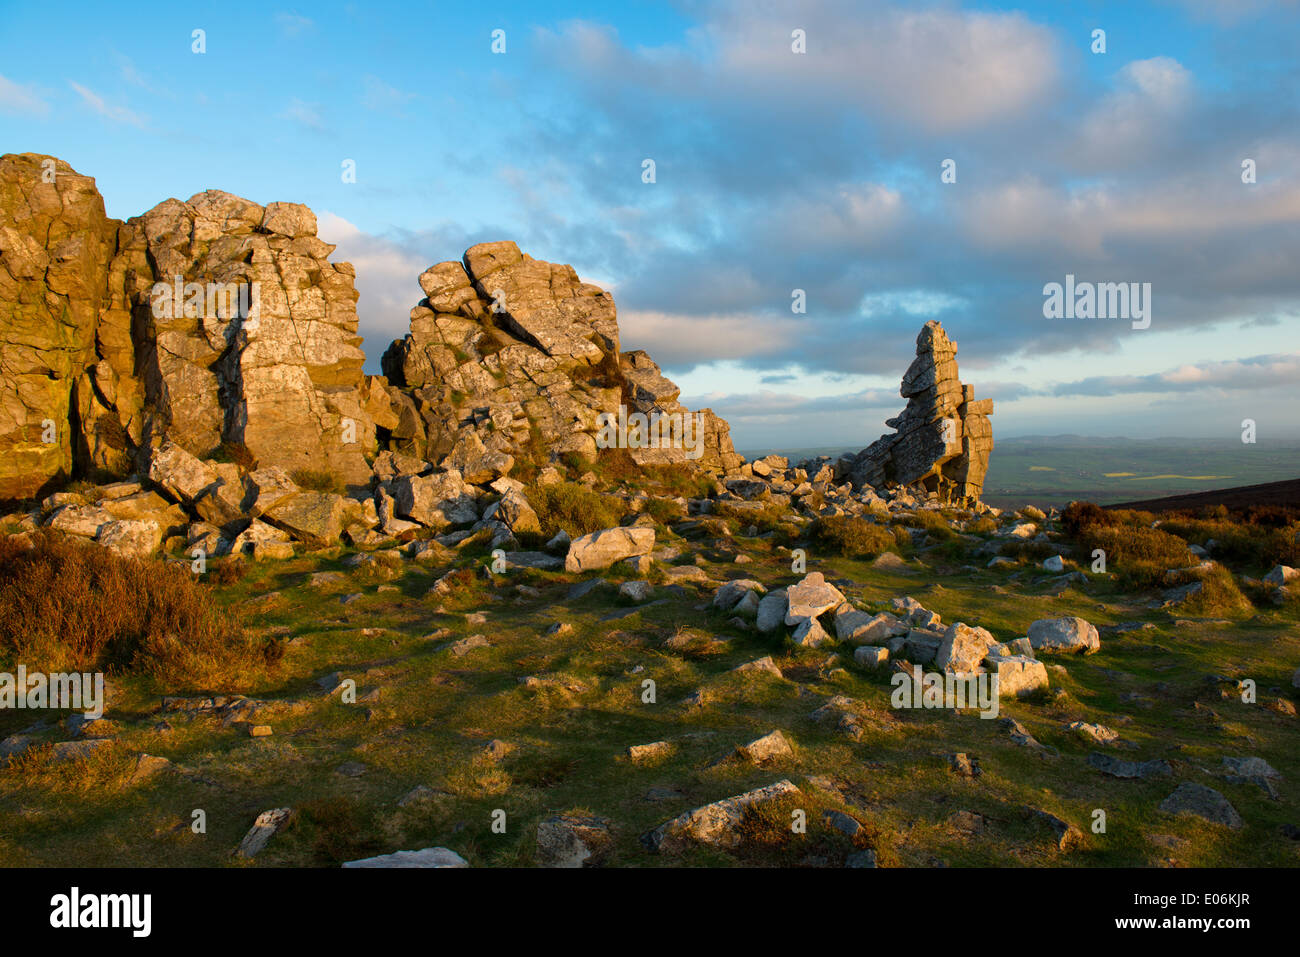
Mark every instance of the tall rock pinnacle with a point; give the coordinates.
(943, 438)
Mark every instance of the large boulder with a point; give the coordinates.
(810, 597)
(436, 500)
(1065, 634)
(179, 473)
(602, 549)
(131, 539)
(1018, 675)
(315, 518)
(963, 648)
(716, 824)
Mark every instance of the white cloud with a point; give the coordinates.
(293, 24)
(110, 111)
(938, 69)
(305, 114)
(16, 98)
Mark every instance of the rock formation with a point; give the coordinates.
(506, 351)
(55, 245)
(221, 326)
(207, 354)
(942, 439)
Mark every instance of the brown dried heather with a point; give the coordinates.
(75, 606)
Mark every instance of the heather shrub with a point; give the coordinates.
(75, 606)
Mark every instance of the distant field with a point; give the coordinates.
(1053, 470)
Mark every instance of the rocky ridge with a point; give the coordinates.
(201, 364)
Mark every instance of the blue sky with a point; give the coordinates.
(775, 171)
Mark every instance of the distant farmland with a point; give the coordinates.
(1054, 470)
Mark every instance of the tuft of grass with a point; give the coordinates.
(572, 507)
(336, 829)
(319, 480)
(853, 537)
(236, 453)
(935, 523)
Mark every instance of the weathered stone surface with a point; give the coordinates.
(963, 648)
(770, 616)
(771, 747)
(943, 437)
(1064, 634)
(315, 518)
(602, 549)
(505, 347)
(1282, 575)
(860, 628)
(730, 593)
(811, 597)
(428, 857)
(263, 829)
(513, 510)
(55, 246)
(131, 539)
(219, 323)
(436, 500)
(715, 824)
(1018, 675)
(1202, 802)
(572, 840)
(1114, 767)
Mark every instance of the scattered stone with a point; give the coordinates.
(1203, 802)
(871, 656)
(428, 857)
(602, 549)
(466, 645)
(650, 753)
(264, 828)
(637, 591)
(1096, 733)
(964, 765)
(766, 750)
(810, 598)
(1119, 768)
(715, 824)
(963, 648)
(1068, 837)
(572, 840)
(1064, 634)
(770, 616)
(765, 664)
(850, 827)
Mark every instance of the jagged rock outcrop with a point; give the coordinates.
(209, 349)
(55, 245)
(246, 333)
(210, 321)
(942, 439)
(507, 352)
